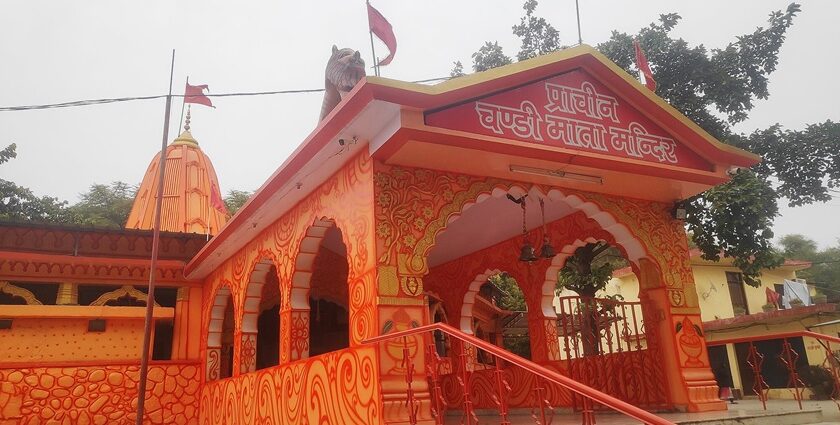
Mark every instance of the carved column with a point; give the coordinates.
(68, 294)
(401, 306)
(673, 315)
(295, 321)
(247, 352)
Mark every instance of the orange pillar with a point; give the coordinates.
(187, 323)
(401, 306)
(672, 318)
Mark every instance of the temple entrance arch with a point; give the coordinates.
(318, 311)
(220, 340)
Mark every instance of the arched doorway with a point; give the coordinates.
(268, 322)
(318, 313)
(329, 318)
(220, 341)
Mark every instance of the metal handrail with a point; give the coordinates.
(542, 372)
(788, 358)
(775, 336)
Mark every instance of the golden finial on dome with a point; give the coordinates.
(187, 123)
(186, 138)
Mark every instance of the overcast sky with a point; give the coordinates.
(53, 51)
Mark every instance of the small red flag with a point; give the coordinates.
(195, 94)
(382, 28)
(644, 67)
(216, 200)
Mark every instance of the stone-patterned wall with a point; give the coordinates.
(98, 394)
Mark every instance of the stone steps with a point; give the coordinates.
(732, 417)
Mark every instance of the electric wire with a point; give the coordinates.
(104, 101)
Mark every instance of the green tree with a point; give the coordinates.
(537, 35)
(20, 204)
(716, 89)
(512, 297)
(235, 199)
(489, 56)
(105, 205)
(824, 272)
(798, 247)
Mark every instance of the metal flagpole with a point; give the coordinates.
(577, 12)
(150, 301)
(372, 50)
(184, 102)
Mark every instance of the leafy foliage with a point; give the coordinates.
(718, 88)
(590, 269)
(105, 205)
(489, 56)
(537, 35)
(512, 297)
(20, 204)
(825, 264)
(235, 199)
(457, 69)
(736, 218)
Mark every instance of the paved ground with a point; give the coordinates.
(830, 410)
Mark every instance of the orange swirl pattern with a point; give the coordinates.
(98, 394)
(341, 387)
(345, 199)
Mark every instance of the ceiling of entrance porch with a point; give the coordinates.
(492, 220)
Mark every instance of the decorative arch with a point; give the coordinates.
(16, 291)
(221, 300)
(466, 320)
(299, 311)
(302, 276)
(123, 291)
(251, 308)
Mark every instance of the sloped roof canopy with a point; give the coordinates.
(572, 113)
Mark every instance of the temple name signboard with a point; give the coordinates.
(571, 111)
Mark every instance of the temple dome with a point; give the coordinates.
(189, 186)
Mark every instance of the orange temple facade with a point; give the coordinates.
(313, 303)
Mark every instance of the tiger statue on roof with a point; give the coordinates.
(344, 69)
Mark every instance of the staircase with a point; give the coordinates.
(547, 384)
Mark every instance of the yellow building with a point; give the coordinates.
(731, 309)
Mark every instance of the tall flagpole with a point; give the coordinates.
(150, 301)
(372, 50)
(577, 12)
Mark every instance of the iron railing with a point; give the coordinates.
(788, 358)
(543, 380)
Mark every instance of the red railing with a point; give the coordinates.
(608, 345)
(543, 378)
(788, 358)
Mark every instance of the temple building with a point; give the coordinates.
(189, 189)
(352, 287)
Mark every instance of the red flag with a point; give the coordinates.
(216, 200)
(382, 28)
(644, 66)
(195, 94)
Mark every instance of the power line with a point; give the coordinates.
(104, 101)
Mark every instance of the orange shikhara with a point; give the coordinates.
(188, 187)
